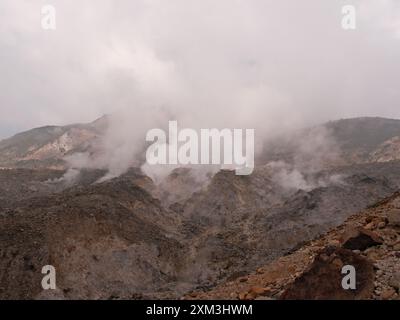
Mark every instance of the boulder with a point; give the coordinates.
(388, 293)
(360, 239)
(395, 281)
(394, 217)
(323, 278)
(396, 203)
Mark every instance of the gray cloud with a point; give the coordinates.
(263, 64)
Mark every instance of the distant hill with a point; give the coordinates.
(341, 142)
(366, 134)
(47, 146)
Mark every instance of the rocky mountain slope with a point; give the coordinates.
(46, 147)
(104, 240)
(368, 240)
(131, 238)
(115, 240)
(341, 142)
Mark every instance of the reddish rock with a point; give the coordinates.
(396, 203)
(258, 291)
(323, 279)
(368, 219)
(395, 281)
(394, 217)
(334, 243)
(242, 295)
(360, 239)
(388, 293)
(250, 296)
(370, 226)
(381, 224)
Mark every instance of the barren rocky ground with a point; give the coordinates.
(116, 240)
(277, 233)
(369, 240)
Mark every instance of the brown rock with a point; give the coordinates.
(381, 225)
(395, 281)
(323, 278)
(264, 298)
(242, 296)
(387, 293)
(334, 243)
(258, 291)
(396, 203)
(260, 270)
(394, 217)
(369, 219)
(360, 239)
(250, 296)
(370, 226)
(337, 262)
(324, 257)
(373, 255)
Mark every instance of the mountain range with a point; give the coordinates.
(130, 237)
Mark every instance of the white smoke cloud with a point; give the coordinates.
(291, 178)
(269, 65)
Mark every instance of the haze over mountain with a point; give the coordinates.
(48, 146)
(358, 140)
(259, 64)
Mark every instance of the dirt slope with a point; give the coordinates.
(314, 270)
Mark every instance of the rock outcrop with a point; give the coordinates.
(314, 270)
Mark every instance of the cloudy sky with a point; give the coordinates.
(258, 63)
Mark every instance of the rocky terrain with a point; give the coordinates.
(46, 147)
(368, 240)
(130, 238)
(342, 142)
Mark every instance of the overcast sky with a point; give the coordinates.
(219, 62)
